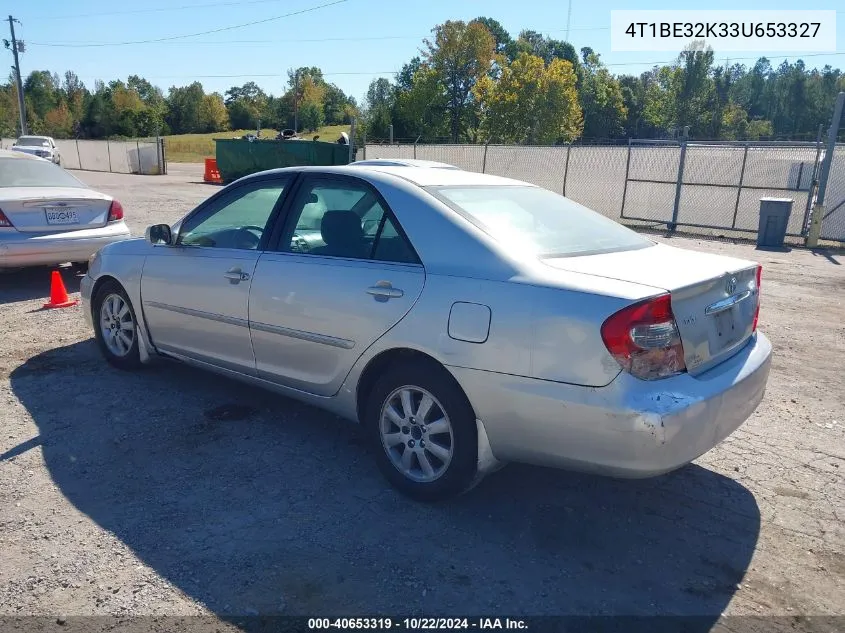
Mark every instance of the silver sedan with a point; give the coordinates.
(48, 217)
(464, 320)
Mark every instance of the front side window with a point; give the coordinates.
(347, 219)
(538, 221)
(237, 221)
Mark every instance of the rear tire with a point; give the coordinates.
(115, 326)
(421, 429)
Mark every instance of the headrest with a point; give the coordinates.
(341, 227)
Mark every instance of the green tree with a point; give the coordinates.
(183, 108)
(460, 54)
(601, 100)
(213, 116)
(311, 116)
(379, 108)
(531, 102)
(421, 110)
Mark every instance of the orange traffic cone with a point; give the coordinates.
(58, 294)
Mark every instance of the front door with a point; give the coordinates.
(195, 294)
(343, 275)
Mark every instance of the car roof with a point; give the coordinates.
(402, 162)
(420, 176)
(7, 153)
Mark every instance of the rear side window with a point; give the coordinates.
(538, 221)
(28, 172)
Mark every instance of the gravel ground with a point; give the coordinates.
(171, 492)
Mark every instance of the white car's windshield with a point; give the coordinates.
(33, 141)
(24, 172)
(538, 220)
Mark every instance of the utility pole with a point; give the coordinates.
(15, 46)
(568, 19)
(296, 102)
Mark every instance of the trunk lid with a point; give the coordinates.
(714, 298)
(54, 209)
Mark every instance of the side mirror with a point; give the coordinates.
(159, 234)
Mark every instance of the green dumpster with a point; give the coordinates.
(240, 157)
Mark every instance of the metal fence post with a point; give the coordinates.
(352, 140)
(164, 156)
(364, 143)
(625, 186)
(818, 207)
(676, 207)
(108, 149)
(484, 158)
(739, 189)
(391, 134)
(78, 157)
(814, 181)
(415, 147)
(566, 167)
(138, 149)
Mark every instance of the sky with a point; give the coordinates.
(352, 41)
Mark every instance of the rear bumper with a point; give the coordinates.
(18, 250)
(631, 428)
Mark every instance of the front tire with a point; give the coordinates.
(422, 431)
(115, 326)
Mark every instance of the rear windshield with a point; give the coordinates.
(27, 172)
(33, 141)
(538, 220)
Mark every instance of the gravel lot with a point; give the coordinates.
(174, 492)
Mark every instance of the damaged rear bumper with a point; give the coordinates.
(630, 428)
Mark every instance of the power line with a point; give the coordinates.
(180, 37)
(153, 10)
(169, 40)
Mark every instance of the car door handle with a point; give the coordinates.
(236, 275)
(384, 290)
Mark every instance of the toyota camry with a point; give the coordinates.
(464, 320)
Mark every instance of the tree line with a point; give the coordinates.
(472, 82)
(63, 107)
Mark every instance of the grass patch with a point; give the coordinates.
(195, 148)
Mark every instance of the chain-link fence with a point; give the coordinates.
(142, 156)
(712, 188)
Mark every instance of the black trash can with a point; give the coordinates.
(774, 218)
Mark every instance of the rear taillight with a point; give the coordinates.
(757, 289)
(115, 211)
(4, 221)
(644, 339)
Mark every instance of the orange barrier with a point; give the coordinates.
(212, 174)
(58, 293)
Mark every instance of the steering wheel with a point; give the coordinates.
(249, 237)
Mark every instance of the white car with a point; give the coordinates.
(41, 146)
(49, 217)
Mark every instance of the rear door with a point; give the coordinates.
(195, 294)
(316, 305)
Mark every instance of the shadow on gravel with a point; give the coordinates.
(34, 283)
(254, 504)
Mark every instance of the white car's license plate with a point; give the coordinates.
(61, 215)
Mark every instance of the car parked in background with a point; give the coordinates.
(40, 146)
(49, 217)
(465, 320)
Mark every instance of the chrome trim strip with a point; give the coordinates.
(724, 304)
(221, 318)
(304, 336)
